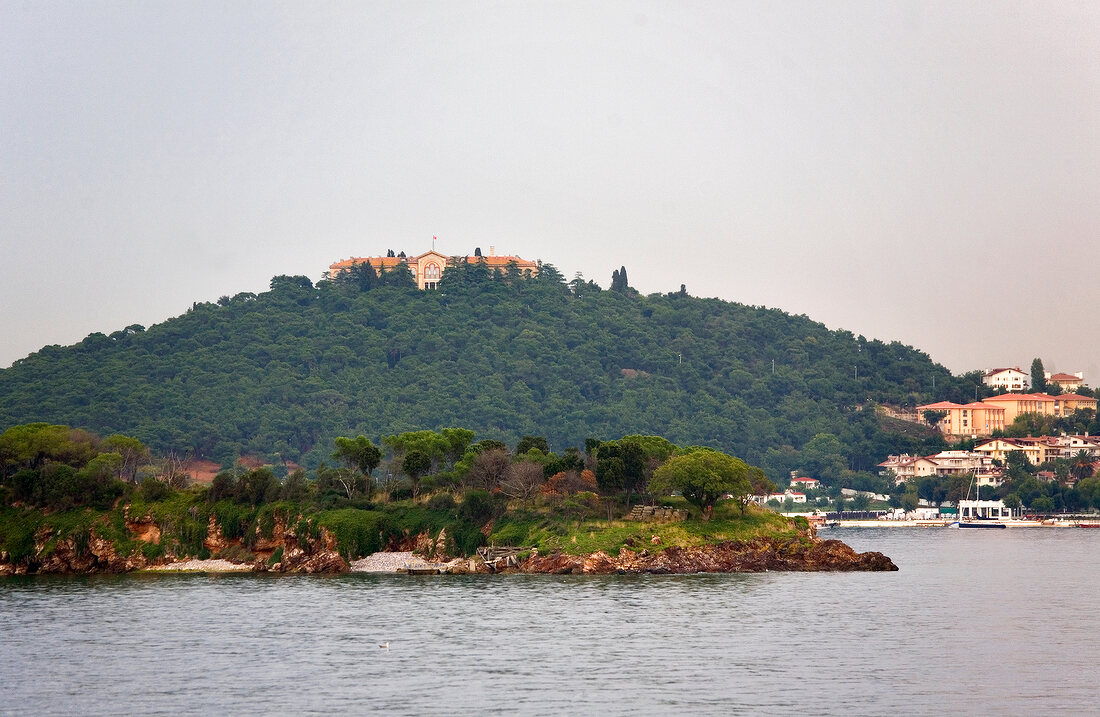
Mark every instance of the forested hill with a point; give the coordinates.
(284, 372)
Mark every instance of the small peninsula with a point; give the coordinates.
(72, 504)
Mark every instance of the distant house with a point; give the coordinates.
(999, 448)
(780, 497)
(805, 483)
(427, 268)
(906, 467)
(1066, 381)
(1010, 379)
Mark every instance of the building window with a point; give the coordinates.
(431, 272)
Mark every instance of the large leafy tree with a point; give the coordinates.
(702, 477)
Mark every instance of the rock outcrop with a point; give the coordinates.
(754, 556)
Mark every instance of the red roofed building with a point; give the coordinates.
(967, 419)
(1066, 381)
(427, 268)
(1010, 379)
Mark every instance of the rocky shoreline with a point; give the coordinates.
(754, 556)
(803, 552)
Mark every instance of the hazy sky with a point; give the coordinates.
(920, 171)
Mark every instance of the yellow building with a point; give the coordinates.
(1067, 403)
(427, 268)
(1015, 404)
(998, 448)
(967, 419)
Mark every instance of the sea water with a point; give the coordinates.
(975, 622)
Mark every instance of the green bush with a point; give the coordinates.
(357, 532)
(151, 490)
(234, 519)
(477, 506)
(152, 551)
(276, 557)
(466, 538)
(441, 502)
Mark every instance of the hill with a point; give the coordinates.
(281, 373)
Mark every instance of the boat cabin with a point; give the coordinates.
(983, 509)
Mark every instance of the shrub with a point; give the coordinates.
(441, 502)
(357, 532)
(276, 557)
(152, 490)
(466, 537)
(402, 491)
(152, 551)
(477, 506)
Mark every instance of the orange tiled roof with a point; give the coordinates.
(1021, 397)
(1064, 377)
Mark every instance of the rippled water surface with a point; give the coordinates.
(975, 621)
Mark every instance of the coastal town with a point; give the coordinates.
(987, 452)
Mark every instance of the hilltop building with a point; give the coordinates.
(427, 268)
(982, 418)
(1010, 379)
(1066, 381)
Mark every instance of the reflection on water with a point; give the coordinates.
(973, 621)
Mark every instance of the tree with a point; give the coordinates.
(1038, 375)
(934, 416)
(488, 468)
(618, 280)
(360, 454)
(522, 480)
(759, 484)
(1042, 504)
(702, 477)
(416, 464)
(609, 474)
(133, 452)
(174, 470)
(528, 442)
(1082, 465)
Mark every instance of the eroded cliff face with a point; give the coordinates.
(754, 556)
(300, 554)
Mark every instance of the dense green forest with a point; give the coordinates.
(282, 373)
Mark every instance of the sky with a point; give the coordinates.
(926, 172)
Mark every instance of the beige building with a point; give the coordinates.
(1043, 404)
(967, 419)
(998, 448)
(1066, 381)
(427, 268)
(944, 463)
